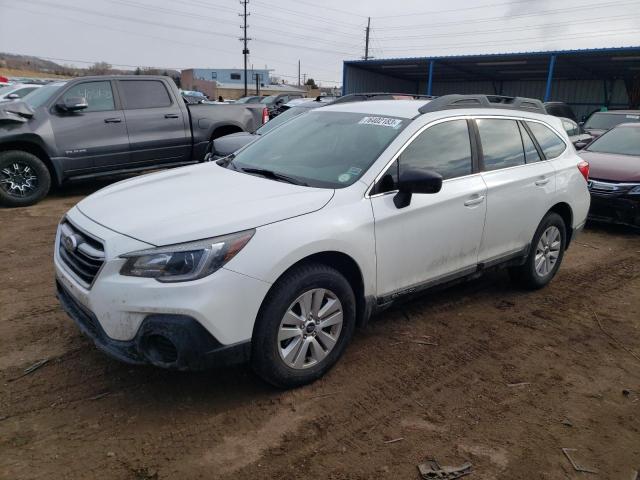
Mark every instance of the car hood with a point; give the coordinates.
(609, 166)
(228, 144)
(193, 203)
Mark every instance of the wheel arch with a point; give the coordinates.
(349, 268)
(566, 212)
(34, 149)
(222, 130)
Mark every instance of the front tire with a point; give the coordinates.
(304, 326)
(545, 254)
(24, 179)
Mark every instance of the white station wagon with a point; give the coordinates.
(277, 253)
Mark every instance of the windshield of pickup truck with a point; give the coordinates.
(322, 149)
(40, 96)
(605, 121)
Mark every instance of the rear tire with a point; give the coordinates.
(545, 254)
(304, 326)
(24, 179)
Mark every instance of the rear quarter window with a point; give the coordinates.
(551, 144)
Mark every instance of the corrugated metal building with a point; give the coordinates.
(587, 80)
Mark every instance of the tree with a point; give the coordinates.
(311, 83)
(100, 68)
(138, 71)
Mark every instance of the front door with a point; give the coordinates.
(158, 130)
(93, 136)
(437, 236)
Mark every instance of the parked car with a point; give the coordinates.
(250, 99)
(576, 134)
(275, 102)
(226, 145)
(94, 126)
(16, 91)
(600, 122)
(560, 109)
(275, 255)
(614, 181)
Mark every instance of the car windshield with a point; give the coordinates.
(323, 149)
(620, 140)
(40, 96)
(605, 121)
(247, 100)
(269, 100)
(280, 119)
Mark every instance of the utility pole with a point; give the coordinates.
(366, 42)
(245, 40)
(304, 78)
(298, 72)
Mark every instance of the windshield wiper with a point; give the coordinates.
(274, 175)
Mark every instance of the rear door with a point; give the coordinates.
(158, 130)
(520, 187)
(94, 136)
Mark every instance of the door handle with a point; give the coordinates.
(474, 201)
(171, 115)
(112, 120)
(542, 182)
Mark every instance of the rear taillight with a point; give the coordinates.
(265, 115)
(584, 169)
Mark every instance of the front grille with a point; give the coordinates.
(82, 254)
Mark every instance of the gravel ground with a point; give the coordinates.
(481, 372)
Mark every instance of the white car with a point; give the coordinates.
(16, 91)
(277, 253)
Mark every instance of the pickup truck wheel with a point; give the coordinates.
(24, 179)
(304, 326)
(545, 254)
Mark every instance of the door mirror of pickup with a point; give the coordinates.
(413, 180)
(72, 104)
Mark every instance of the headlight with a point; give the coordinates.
(634, 191)
(185, 261)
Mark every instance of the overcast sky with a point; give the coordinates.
(203, 33)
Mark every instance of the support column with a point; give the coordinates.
(552, 64)
(430, 80)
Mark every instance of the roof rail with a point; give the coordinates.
(483, 101)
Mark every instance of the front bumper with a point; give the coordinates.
(203, 320)
(169, 341)
(622, 210)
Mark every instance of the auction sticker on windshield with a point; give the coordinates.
(381, 122)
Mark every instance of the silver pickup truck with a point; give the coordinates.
(95, 126)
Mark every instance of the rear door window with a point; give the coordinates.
(501, 143)
(144, 94)
(98, 95)
(551, 144)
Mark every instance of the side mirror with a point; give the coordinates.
(72, 104)
(13, 96)
(413, 180)
(580, 145)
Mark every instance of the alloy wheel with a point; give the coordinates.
(548, 251)
(310, 328)
(18, 179)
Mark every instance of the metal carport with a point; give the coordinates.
(585, 79)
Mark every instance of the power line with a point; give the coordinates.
(324, 7)
(504, 18)
(527, 39)
(451, 10)
(517, 29)
(164, 39)
(298, 13)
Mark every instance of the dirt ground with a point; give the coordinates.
(503, 378)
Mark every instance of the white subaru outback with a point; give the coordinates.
(277, 253)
